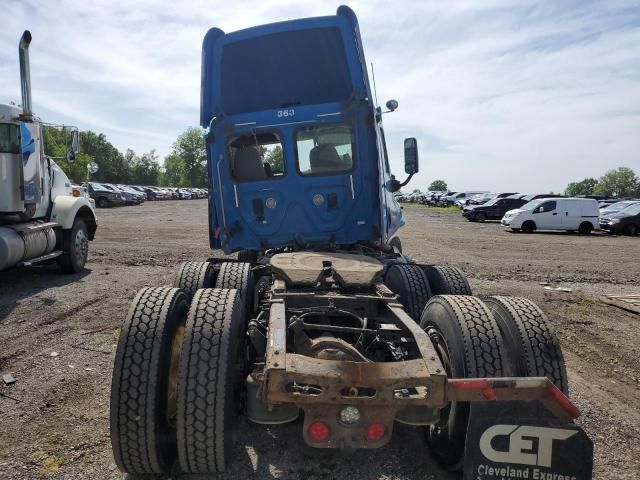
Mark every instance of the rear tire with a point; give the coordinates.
(142, 437)
(531, 346)
(211, 379)
(239, 276)
(192, 276)
(447, 280)
(410, 283)
(248, 256)
(585, 228)
(528, 227)
(75, 247)
(469, 343)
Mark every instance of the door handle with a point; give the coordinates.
(554, 213)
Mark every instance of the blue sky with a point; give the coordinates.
(502, 95)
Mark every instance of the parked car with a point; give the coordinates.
(492, 210)
(459, 198)
(616, 207)
(569, 214)
(536, 196)
(103, 196)
(625, 221)
(483, 198)
(139, 196)
(184, 194)
(129, 198)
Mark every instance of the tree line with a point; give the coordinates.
(620, 182)
(185, 166)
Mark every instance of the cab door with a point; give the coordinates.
(546, 216)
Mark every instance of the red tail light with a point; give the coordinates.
(375, 432)
(319, 432)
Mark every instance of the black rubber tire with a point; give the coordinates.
(75, 247)
(192, 276)
(528, 227)
(531, 346)
(395, 242)
(585, 228)
(239, 276)
(248, 256)
(410, 283)
(142, 440)
(462, 327)
(480, 217)
(210, 380)
(447, 280)
(102, 202)
(631, 230)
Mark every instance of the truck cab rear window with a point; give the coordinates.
(256, 157)
(324, 150)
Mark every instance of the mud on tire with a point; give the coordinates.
(142, 440)
(192, 276)
(469, 343)
(447, 280)
(532, 347)
(410, 283)
(209, 380)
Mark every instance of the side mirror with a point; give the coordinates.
(75, 146)
(410, 156)
(391, 105)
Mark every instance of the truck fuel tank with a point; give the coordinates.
(25, 241)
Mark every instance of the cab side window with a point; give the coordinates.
(546, 207)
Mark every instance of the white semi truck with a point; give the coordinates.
(41, 220)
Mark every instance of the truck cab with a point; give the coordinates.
(41, 219)
(289, 165)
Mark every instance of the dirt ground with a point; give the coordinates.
(58, 337)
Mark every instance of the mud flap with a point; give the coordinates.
(516, 440)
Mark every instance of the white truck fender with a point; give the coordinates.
(66, 208)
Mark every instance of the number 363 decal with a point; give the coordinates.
(289, 112)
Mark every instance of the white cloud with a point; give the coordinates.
(501, 95)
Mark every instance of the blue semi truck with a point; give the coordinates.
(322, 317)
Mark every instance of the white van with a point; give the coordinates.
(568, 214)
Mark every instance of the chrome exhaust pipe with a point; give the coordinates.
(25, 75)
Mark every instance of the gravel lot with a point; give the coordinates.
(58, 336)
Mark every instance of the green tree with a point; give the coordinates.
(622, 182)
(584, 187)
(190, 146)
(438, 186)
(113, 166)
(56, 145)
(174, 171)
(146, 169)
(275, 159)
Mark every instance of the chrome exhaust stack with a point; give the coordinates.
(25, 75)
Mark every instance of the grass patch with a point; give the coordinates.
(51, 465)
(450, 209)
(581, 307)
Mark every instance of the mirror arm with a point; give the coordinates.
(396, 185)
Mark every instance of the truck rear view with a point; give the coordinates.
(322, 317)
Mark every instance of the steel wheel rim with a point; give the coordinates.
(80, 247)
